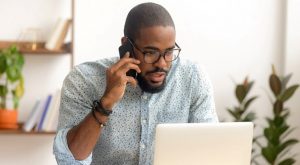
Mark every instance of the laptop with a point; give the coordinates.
(228, 143)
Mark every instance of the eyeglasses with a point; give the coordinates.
(152, 56)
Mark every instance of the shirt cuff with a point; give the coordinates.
(61, 149)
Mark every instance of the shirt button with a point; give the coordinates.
(144, 121)
(144, 97)
(143, 146)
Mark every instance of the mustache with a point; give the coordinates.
(157, 69)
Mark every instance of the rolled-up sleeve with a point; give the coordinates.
(62, 153)
(75, 104)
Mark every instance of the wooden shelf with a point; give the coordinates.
(40, 48)
(19, 131)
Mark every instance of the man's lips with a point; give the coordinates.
(157, 77)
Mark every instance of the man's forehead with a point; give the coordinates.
(156, 34)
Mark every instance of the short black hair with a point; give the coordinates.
(146, 15)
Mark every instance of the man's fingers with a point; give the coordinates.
(126, 67)
(126, 59)
(131, 81)
(127, 54)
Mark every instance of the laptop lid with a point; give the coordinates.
(227, 143)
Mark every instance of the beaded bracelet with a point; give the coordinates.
(97, 120)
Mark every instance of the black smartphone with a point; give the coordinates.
(127, 47)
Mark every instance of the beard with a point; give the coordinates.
(147, 87)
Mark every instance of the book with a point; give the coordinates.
(54, 119)
(52, 113)
(33, 116)
(58, 34)
(44, 112)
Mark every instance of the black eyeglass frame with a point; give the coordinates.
(160, 54)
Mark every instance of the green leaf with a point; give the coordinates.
(278, 121)
(288, 161)
(13, 48)
(238, 110)
(275, 84)
(19, 90)
(270, 121)
(283, 129)
(287, 144)
(18, 60)
(285, 80)
(288, 93)
(13, 74)
(16, 101)
(2, 64)
(286, 114)
(3, 90)
(287, 133)
(268, 133)
(21, 60)
(249, 86)
(9, 61)
(249, 102)
(269, 154)
(240, 93)
(272, 135)
(233, 113)
(249, 117)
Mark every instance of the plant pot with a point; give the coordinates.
(8, 119)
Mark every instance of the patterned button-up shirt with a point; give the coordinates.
(128, 137)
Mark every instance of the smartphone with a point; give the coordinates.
(127, 47)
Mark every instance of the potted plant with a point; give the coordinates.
(239, 112)
(276, 151)
(11, 85)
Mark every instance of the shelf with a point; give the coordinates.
(19, 131)
(40, 48)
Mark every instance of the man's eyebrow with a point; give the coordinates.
(155, 48)
(151, 47)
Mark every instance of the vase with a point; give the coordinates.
(8, 119)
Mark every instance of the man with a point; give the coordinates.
(108, 117)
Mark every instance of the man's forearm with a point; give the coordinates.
(83, 137)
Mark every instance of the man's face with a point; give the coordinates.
(157, 38)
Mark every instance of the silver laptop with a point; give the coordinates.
(203, 143)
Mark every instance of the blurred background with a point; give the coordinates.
(231, 39)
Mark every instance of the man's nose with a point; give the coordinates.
(161, 63)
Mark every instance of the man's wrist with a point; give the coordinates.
(106, 102)
(98, 107)
(99, 118)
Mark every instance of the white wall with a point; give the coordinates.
(232, 38)
(292, 63)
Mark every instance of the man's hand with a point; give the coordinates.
(116, 80)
